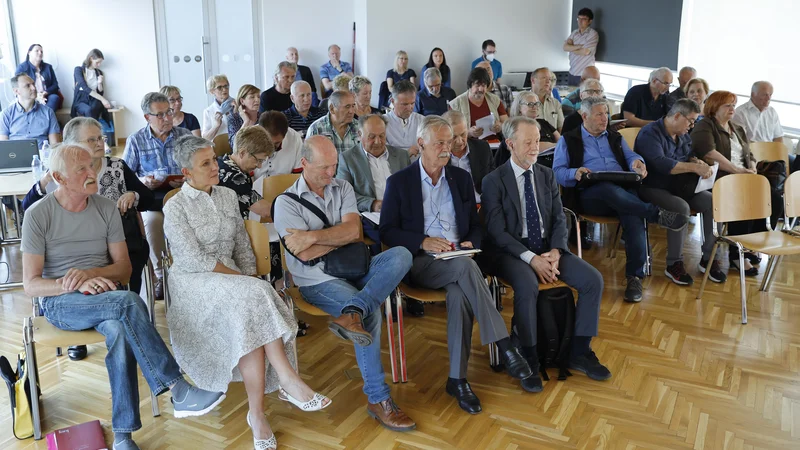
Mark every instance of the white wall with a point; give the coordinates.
(530, 35)
(123, 30)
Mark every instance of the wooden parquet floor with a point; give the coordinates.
(687, 375)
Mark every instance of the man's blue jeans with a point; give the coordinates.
(385, 272)
(609, 199)
(120, 316)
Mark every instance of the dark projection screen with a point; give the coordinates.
(635, 32)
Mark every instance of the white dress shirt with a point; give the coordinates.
(379, 167)
(760, 126)
(463, 163)
(519, 175)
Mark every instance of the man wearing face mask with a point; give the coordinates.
(489, 50)
(433, 98)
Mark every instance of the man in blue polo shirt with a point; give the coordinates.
(646, 103)
(433, 98)
(593, 148)
(335, 66)
(26, 118)
(489, 50)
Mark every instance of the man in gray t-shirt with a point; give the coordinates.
(74, 257)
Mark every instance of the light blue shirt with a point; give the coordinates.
(497, 67)
(328, 71)
(36, 124)
(145, 153)
(597, 157)
(439, 214)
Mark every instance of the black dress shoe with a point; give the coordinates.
(534, 382)
(515, 363)
(159, 289)
(77, 352)
(415, 308)
(467, 400)
(590, 365)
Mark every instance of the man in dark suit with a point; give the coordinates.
(528, 245)
(430, 209)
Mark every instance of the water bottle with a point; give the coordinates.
(45, 152)
(36, 167)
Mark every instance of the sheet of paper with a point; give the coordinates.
(704, 184)
(374, 217)
(485, 123)
(455, 254)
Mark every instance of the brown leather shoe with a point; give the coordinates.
(348, 326)
(390, 415)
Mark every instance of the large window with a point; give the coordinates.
(8, 57)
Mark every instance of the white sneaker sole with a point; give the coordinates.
(702, 269)
(181, 414)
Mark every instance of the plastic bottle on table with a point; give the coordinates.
(45, 152)
(36, 167)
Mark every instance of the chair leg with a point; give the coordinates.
(59, 352)
(768, 273)
(390, 333)
(401, 338)
(743, 287)
(617, 239)
(154, 404)
(778, 260)
(648, 268)
(33, 377)
(708, 270)
(702, 231)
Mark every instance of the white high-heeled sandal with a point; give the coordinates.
(316, 403)
(263, 444)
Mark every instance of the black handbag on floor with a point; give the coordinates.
(350, 261)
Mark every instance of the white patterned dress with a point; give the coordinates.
(214, 318)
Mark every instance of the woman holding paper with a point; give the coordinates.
(483, 110)
(717, 139)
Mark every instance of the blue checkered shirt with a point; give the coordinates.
(145, 153)
(324, 127)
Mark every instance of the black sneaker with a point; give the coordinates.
(734, 265)
(671, 220)
(590, 365)
(677, 273)
(754, 258)
(633, 293)
(716, 274)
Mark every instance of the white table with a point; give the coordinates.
(13, 185)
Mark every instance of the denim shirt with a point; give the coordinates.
(145, 153)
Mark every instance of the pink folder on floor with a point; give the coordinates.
(86, 436)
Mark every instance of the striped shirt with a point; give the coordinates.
(324, 127)
(145, 153)
(587, 39)
(299, 123)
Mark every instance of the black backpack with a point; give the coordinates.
(555, 311)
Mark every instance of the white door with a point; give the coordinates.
(199, 38)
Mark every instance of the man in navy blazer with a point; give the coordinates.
(428, 210)
(527, 244)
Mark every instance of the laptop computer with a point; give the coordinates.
(515, 79)
(17, 156)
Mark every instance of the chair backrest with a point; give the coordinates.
(259, 240)
(170, 194)
(629, 134)
(791, 195)
(743, 196)
(221, 145)
(770, 151)
(276, 184)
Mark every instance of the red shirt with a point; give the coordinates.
(478, 112)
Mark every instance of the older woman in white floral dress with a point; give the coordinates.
(225, 325)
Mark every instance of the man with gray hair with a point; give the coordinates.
(645, 103)
(685, 75)
(278, 97)
(303, 72)
(429, 208)
(302, 113)
(590, 87)
(432, 99)
(149, 154)
(573, 99)
(527, 245)
(75, 259)
(402, 121)
(354, 304)
(595, 148)
(337, 125)
(666, 147)
(470, 154)
(760, 120)
(335, 66)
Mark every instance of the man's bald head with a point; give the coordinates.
(319, 160)
(590, 72)
(316, 146)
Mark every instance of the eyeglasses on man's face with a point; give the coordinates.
(164, 115)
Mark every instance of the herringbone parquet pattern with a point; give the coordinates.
(687, 374)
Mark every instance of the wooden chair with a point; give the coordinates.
(274, 185)
(747, 197)
(791, 203)
(221, 145)
(295, 299)
(37, 330)
(629, 134)
(771, 151)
